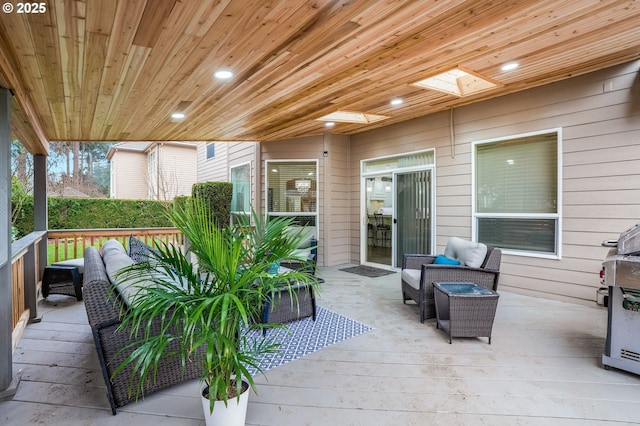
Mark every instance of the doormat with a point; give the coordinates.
(306, 336)
(368, 271)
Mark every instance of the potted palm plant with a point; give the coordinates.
(214, 315)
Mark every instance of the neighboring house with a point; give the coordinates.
(152, 170)
(547, 174)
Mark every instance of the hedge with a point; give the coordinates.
(94, 213)
(218, 196)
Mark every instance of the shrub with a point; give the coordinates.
(92, 213)
(218, 198)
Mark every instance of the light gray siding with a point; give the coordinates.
(599, 114)
(214, 169)
(310, 148)
(227, 155)
(337, 200)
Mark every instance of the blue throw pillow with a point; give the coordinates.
(443, 260)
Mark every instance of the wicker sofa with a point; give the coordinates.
(419, 272)
(104, 308)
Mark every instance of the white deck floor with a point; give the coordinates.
(542, 368)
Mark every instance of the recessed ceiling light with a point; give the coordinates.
(396, 101)
(329, 124)
(177, 115)
(223, 74)
(510, 66)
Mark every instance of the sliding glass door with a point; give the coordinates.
(379, 204)
(397, 207)
(412, 214)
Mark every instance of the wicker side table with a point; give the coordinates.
(465, 309)
(62, 280)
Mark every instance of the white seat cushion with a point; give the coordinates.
(468, 253)
(78, 263)
(412, 277)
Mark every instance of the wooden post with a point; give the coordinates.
(40, 223)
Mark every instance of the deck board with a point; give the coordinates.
(543, 367)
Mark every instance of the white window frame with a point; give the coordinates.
(235, 166)
(554, 216)
(393, 171)
(315, 214)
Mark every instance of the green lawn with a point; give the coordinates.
(51, 250)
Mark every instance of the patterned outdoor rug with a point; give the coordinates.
(367, 271)
(307, 336)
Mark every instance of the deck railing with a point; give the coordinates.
(70, 243)
(25, 276)
(28, 261)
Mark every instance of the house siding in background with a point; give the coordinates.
(599, 118)
(599, 114)
(175, 169)
(128, 175)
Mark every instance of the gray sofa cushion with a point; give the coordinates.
(468, 253)
(116, 258)
(111, 246)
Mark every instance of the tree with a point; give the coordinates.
(21, 181)
(79, 165)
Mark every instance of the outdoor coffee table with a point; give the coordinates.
(465, 309)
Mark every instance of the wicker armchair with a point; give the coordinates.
(419, 273)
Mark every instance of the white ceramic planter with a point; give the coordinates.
(233, 414)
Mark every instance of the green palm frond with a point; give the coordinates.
(208, 312)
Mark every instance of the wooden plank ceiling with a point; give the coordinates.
(116, 70)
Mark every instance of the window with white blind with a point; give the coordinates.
(292, 190)
(240, 176)
(517, 193)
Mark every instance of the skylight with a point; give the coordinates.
(352, 117)
(457, 82)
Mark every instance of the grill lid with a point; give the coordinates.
(629, 241)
